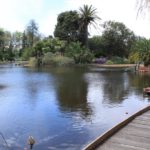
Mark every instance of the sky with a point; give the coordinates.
(15, 14)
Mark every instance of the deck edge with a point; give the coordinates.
(102, 138)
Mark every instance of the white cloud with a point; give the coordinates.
(48, 23)
(118, 10)
(15, 14)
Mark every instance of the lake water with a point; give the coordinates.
(65, 108)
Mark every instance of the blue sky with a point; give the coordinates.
(15, 14)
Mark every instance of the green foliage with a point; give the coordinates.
(31, 32)
(96, 46)
(38, 49)
(58, 60)
(9, 55)
(27, 53)
(6, 46)
(109, 62)
(117, 39)
(2, 41)
(67, 26)
(88, 16)
(142, 48)
(25, 43)
(134, 57)
(118, 60)
(73, 26)
(47, 58)
(16, 39)
(50, 45)
(80, 54)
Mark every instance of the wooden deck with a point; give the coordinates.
(131, 134)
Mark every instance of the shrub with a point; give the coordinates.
(47, 58)
(117, 60)
(27, 53)
(134, 57)
(58, 60)
(78, 53)
(109, 62)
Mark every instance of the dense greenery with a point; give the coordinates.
(67, 26)
(73, 26)
(8, 41)
(78, 53)
(117, 44)
(141, 51)
(117, 39)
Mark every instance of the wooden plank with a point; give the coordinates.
(143, 118)
(131, 140)
(113, 130)
(147, 115)
(136, 132)
(116, 146)
(144, 122)
(143, 126)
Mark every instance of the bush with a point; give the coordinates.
(80, 54)
(109, 62)
(47, 58)
(117, 60)
(126, 61)
(27, 53)
(134, 57)
(58, 60)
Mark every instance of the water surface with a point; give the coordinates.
(65, 108)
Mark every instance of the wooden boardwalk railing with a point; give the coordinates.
(130, 134)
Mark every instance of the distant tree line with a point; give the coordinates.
(71, 41)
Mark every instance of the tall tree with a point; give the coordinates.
(24, 40)
(2, 41)
(32, 32)
(2, 35)
(88, 16)
(117, 39)
(17, 40)
(67, 26)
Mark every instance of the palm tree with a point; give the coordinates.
(87, 17)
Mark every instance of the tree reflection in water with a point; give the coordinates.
(72, 91)
(116, 87)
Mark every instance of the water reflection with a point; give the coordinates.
(108, 87)
(116, 87)
(72, 91)
(65, 108)
(139, 81)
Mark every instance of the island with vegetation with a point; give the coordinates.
(72, 44)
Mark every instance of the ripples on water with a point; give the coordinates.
(65, 108)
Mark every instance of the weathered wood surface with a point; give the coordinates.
(131, 134)
(134, 136)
